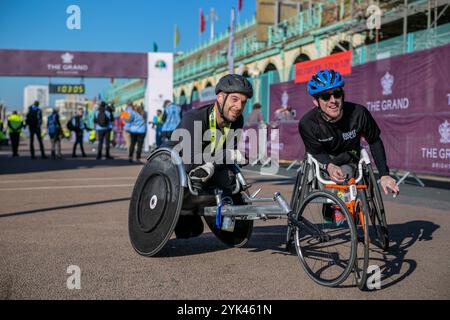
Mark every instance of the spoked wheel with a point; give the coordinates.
(361, 219)
(301, 190)
(326, 249)
(377, 212)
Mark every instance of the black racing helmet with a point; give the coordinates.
(234, 83)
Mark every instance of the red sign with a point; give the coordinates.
(72, 64)
(341, 62)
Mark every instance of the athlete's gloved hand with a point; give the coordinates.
(235, 156)
(202, 173)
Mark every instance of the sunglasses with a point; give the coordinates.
(327, 96)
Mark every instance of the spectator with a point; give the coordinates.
(15, 125)
(138, 129)
(34, 123)
(78, 125)
(54, 130)
(157, 124)
(284, 114)
(171, 119)
(255, 117)
(3, 138)
(124, 115)
(103, 125)
(110, 107)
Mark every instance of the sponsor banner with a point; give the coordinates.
(417, 143)
(290, 145)
(159, 87)
(409, 97)
(72, 64)
(341, 62)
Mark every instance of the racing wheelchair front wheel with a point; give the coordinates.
(242, 232)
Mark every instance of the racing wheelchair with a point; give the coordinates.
(329, 249)
(164, 192)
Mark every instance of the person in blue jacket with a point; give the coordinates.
(171, 119)
(138, 130)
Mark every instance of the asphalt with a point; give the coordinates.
(58, 213)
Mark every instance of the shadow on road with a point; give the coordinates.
(25, 164)
(394, 264)
(78, 205)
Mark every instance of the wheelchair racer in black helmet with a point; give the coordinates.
(215, 121)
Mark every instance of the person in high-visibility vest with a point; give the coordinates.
(15, 125)
(92, 136)
(3, 139)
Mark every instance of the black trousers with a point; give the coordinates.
(102, 135)
(78, 141)
(37, 132)
(139, 139)
(15, 139)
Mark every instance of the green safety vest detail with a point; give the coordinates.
(212, 128)
(15, 122)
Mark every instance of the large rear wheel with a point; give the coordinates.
(377, 212)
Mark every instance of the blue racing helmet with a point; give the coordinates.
(325, 80)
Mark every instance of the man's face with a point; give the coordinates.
(234, 105)
(330, 102)
(80, 112)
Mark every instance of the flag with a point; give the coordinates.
(155, 47)
(176, 37)
(202, 21)
(240, 5)
(230, 54)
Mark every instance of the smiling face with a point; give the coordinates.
(330, 102)
(234, 105)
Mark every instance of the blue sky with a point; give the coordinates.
(106, 25)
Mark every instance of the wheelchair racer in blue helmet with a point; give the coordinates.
(332, 130)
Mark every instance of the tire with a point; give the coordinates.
(305, 240)
(155, 204)
(377, 212)
(301, 189)
(361, 219)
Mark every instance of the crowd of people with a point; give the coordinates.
(129, 126)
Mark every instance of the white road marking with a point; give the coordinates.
(67, 179)
(68, 187)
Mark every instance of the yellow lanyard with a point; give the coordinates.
(212, 128)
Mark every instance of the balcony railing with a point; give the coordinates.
(298, 25)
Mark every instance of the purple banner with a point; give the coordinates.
(409, 97)
(72, 64)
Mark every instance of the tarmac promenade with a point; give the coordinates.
(58, 213)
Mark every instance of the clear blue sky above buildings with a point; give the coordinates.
(106, 25)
